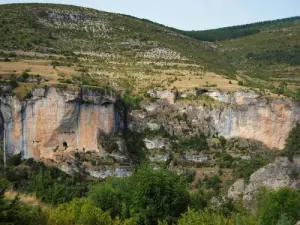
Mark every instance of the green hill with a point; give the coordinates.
(91, 47)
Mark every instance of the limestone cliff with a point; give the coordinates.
(242, 114)
(58, 118)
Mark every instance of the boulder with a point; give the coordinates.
(273, 176)
(237, 189)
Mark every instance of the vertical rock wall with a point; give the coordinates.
(54, 119)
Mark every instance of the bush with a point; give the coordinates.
(206, 217)
(54, 186)
(148, 196)
(214, 183)
(77, 212)
(24, 76)
(241, 83)
(130, 100)
(197, 142)
(277, 203)
(107, 198)
(158, 195)
(246, 167)
(198, 200)
(292, 145)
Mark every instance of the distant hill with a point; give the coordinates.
(233, 32)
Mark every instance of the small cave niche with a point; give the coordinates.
(65, 144)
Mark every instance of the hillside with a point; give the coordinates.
(76, 45)
(264, 54)
(81, 46)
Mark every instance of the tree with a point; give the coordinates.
(206, 217)
(158, 195)
(283, 220)
(77, 212)
(275, 204)
(292, 145)
(106, 197)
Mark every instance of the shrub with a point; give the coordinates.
(246, 167)
(206, 217)
(277, 203)
(241, 83)
(158, 195)
(292, 145)
(107, 198)
(130, 100)
(24, 76)
(77, 212)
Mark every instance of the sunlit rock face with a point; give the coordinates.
(56, 118)
(239, 115)
(268, 120)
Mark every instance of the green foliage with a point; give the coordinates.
(198, 200)
(53, 186)
(78, 212)
(15, 212)
(283, 220)
(108, 197)
(213, 182)
(149, 195)
(237, 31)
(241, 83)
(197, 142)
(277, 203)
(24, 76)
(158, 195)
(206, 217)
(278, 56)
(245, 167)
(222, 34)
(225, 160)
(292, 146)
(131, 101)
(190, 176)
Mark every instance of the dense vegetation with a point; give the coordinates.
(239, 31)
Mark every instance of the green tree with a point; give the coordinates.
(206, 217)
(77, 212)
(106, 197)
(285, 202)
(158, 195)
(283, 220)
(292, 146)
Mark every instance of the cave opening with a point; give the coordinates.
(65, 144)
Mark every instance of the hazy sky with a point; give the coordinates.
(193, 14)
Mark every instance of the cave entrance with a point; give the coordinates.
(65, 144)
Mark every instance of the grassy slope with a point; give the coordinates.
(120, 51)
(265, 59)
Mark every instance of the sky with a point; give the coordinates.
(192, 14)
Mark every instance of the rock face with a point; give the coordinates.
(242, 114)
(273, 176)
(57, 118)
(237, 189)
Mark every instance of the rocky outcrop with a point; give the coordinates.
(273, 176)
(242, 114)
(237, 189)
(59, 119)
